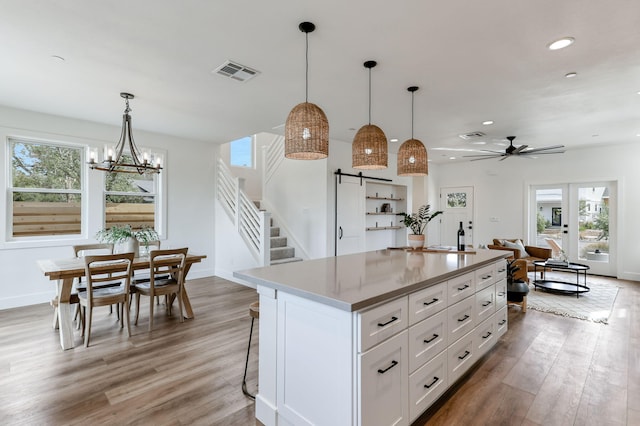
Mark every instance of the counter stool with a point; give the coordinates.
(254, 312)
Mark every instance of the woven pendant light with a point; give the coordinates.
(369, 149)
(306, 131)
(412, 155)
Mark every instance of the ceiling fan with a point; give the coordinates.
(519, 151)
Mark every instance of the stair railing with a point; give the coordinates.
(252, 224)
(273, 156)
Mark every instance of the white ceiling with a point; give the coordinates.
(473, 61)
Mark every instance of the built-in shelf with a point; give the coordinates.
(383, 228)
(384, 213)
(384, 198)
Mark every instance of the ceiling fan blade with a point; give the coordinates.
(519, 149)
(526, 154)
(488, 157)
(497, 154)
(546, 148)
(504, 158)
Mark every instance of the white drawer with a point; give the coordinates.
(427, 338)
(460, 287)
(460, 356)
(501, 319)
(381, 322)
(485, 276)
(424, 303)
(485, 303)
(427, 384)
(485, 336)
(501, 269)
(501, 293)
(383, 383)
(461, 318)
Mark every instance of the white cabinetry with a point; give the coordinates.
(384, 364)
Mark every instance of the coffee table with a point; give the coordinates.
(561, 286)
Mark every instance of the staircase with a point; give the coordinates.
(280, 252)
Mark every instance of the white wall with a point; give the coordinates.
(189, 173)
(501, 191)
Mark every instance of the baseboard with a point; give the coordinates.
(228, 275)
(27, 299)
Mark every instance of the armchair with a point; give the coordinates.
(530, 254)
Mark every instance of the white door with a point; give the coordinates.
(457, 206)
(579, 219)
(350, 213)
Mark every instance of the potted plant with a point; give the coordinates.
(417, 222)
(128, 237)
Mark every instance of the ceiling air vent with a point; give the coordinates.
(472, 135)
(236, 71)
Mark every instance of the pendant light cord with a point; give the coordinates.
(412, 115)
(369, 95)
(306, 75)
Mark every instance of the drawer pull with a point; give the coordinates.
(380, 324)
(463, 287)
(487, 336)
(465, 355)
(502, 322)
(435, 336)
(485, 304)
(501, 270)
(434, 300)
(464, 318)
(435, 380)
(486, 277)
(501, 294)
(393, 364)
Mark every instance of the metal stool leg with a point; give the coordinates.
(246, 364)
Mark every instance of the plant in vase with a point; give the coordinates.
(418, 222)
(127, 236)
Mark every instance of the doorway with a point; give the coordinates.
(457, 206)
(576, 220)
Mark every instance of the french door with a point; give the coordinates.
(576, 220)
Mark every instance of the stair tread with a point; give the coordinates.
(286, 260)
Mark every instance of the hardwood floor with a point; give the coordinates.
(547, 370)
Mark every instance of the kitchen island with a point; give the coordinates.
(372, 338)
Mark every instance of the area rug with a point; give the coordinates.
(596, 305)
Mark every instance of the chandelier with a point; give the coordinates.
(131, 160)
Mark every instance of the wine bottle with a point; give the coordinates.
(461, 238)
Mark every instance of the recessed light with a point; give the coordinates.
(478, 143)
(571, 74)
(487, 123)
(638, 135)
(452, 158)
(561, 43)
(393, 140)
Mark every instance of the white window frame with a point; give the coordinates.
(10, 189)
(160, 205)
(252, 164)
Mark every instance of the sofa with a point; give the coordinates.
(530, 255)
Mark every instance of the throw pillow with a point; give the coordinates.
(517, 245)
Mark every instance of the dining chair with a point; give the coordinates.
(166, 268)
(81, 250)
(100, 272)
(144, 275)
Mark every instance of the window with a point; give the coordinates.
(241, 153)
(45, 189)
(131, 199)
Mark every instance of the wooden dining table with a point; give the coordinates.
(64, 271)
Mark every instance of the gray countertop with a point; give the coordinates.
(356, 281)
